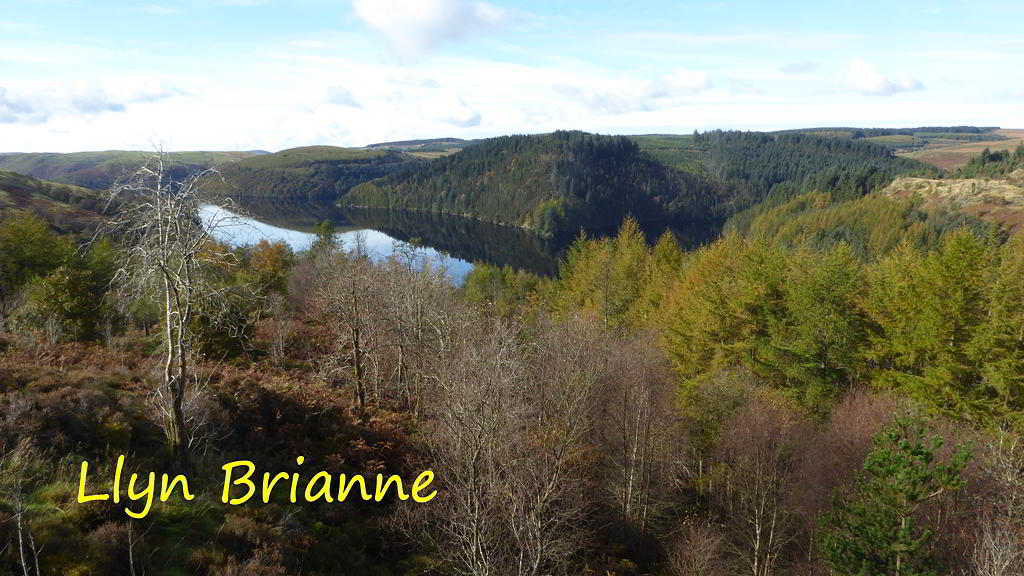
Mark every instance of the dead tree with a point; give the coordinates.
(167, 249)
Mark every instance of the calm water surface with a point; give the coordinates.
(453, 241)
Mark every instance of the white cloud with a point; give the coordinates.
(866, 79)
(342, 97)
(415, 27)
(454, 111)
(285, 84)
(12, 25)
(625, 94)
(14, 108)
(38, 104)
(683, 81)
(414, 80)
(757, 41)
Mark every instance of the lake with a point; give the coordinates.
(455, 241)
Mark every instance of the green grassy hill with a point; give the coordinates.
(99, 170)
(307, 172)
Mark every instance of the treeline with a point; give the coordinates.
(560, 437)
(47, 284)
(551, 184)
(809, 327)
(309, 172)
(991, 164)
(875, 132)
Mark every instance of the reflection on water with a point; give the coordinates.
(464, 240)
(242, 228)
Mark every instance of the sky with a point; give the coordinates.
(275, 74)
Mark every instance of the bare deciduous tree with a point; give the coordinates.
(346, 284)
(508, 423)
(699, 550)
(635, 428)
(167, 246)
(999, 541)
(759, 448)
(416, 297)
(390, 322)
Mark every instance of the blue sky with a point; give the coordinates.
(272, 74)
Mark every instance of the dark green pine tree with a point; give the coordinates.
(873, 531)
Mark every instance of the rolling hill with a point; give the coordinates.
(307, 172)
(68, 209)
(945, 147)
(99, 170)
(551, 184)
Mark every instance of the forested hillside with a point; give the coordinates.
(552, 184)
(100, 170)
(909, 139)
(778, 166)
(565, 181)
(307, 172)
(871, 225)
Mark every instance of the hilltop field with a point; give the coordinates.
(952, 154)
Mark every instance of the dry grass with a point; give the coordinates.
(951, 157)
(997, 201)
